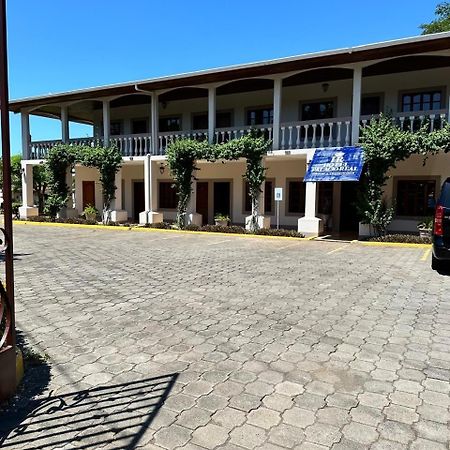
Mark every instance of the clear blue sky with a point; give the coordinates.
(59, 45)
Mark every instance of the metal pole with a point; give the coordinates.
(6, 159)
(278, 215)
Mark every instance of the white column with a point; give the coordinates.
(117, 213)
(25, 119)
(211, 113)
(310, 225)
(263, 221)
(155, 124)
(192, 217)
(149, 215)
(356, 103)
(65, 123)
(27, 209)
(277, 90)
(106, 123)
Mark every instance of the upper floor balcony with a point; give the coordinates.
(297, 107)
(333, 132)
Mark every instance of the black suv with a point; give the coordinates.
(441, 230)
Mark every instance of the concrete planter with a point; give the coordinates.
(425, 233)
(222, 223)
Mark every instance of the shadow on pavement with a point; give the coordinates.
(116, 416)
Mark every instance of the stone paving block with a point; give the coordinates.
(323, 434)
(297, 417)
(248, 436)
(210, 436)
(172, 437)
(286, 435)
(263, 418)
(358, 432)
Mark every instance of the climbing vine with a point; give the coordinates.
(183, 154)
(107, 160)
(385, 144)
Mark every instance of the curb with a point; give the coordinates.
(143, 229)
(391, 244)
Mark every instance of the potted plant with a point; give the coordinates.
(425, 227)
(222, 219)
(90, 212)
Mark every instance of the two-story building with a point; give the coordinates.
(301, 103)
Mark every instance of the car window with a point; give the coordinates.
(445, 195)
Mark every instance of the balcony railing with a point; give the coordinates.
(335, 132)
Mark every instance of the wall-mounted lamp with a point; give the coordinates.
(162, 168)
(163, 105)
(325, 87)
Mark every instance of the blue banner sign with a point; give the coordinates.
(337, 164)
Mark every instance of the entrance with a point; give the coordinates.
(222, 198)
(202, 200)
(88, 193)
(138, 199)
(349, 217)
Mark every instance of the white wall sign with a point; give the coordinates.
(278, 194)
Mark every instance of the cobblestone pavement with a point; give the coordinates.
(162, 340)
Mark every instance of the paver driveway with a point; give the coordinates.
(163, 340)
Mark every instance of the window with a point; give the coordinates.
(317, 110)
(296, 196)
(139, 126)
(260, 116)
(422, 101)
(370, 105)
(413, 197)
(268, 197)
(200, 121)
(167, 195)
(169, 124)
(115, 128)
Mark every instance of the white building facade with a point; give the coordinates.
(301, 103)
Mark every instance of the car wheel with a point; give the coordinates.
(437, 264)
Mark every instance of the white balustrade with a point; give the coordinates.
(312, 134)
(415, 119)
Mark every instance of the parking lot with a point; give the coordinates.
(165, 340)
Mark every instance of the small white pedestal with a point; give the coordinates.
(28, 211)
(119, 215)
(146, 217)
(310, 226)
(194, 219)
(263, 222)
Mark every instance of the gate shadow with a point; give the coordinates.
(116, 416)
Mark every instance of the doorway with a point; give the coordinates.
(349, 221)
(222, 203)
(88, 193)
(202, 200)
(138, 199)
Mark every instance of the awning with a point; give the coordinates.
(337, 164)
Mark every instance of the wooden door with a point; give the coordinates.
(202, 200)
(88, 193)
(138, 199)
(222, 199)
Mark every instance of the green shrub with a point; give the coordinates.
(15, 208)
(159, 225)
(234, 229)
(401, 238)
(281, 232)
(192, 227)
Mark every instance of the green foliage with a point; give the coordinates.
(402, 238)
(427, 223)
(40, 183)
(385, 144)
(59, 159)
(183, 154)
(90, 210)
(16, 174)
(441, 22)
(107, 160)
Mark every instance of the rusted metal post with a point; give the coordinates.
(8, 352)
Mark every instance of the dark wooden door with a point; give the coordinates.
(349, 216)
(88, 193)
(202, 200)
(222, 198)
(138, 199)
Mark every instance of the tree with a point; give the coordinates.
(441, 22)
(40, 183)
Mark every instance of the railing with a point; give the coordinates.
(133, 144)
(313, 133)
(165, 138)
(222, 135)
(335, 132)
